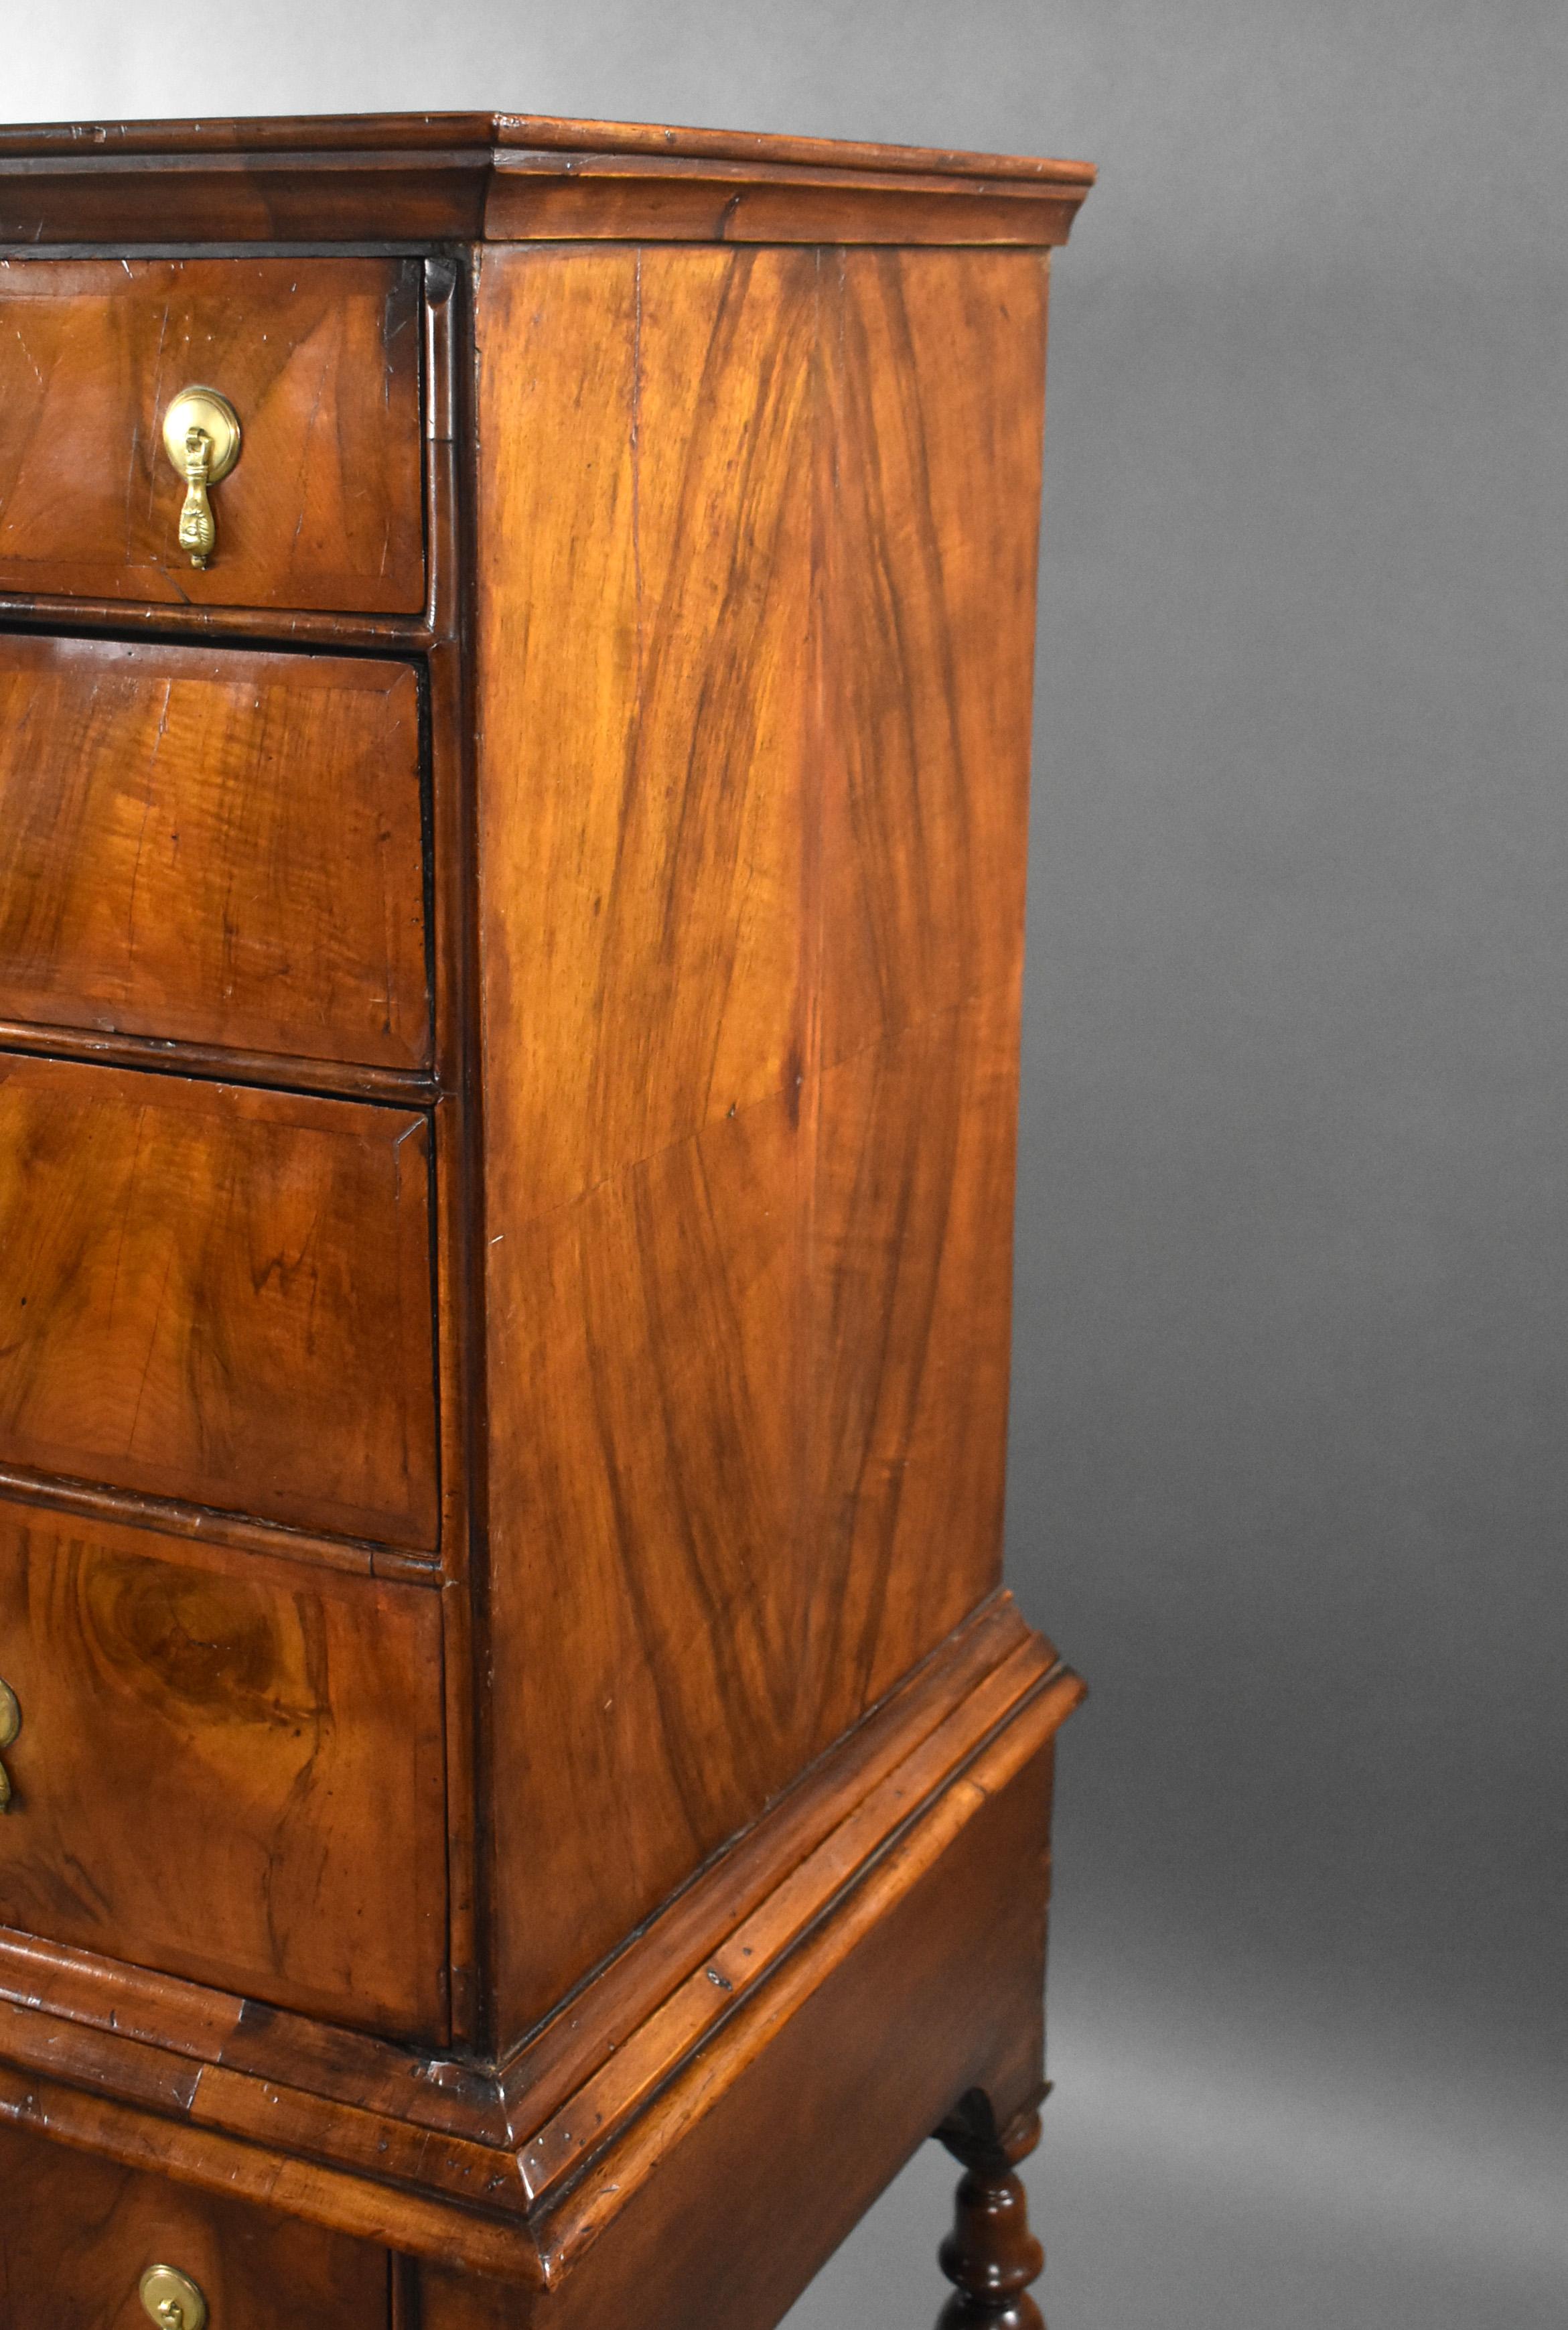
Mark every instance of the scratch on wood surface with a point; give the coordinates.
(27, 352)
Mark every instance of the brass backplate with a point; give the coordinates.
(10, 1715)
(206, 409)
(172, 2300)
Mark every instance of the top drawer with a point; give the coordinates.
(319, 359)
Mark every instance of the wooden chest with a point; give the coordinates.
(524, 1796)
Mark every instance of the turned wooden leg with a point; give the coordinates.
(990, 2256)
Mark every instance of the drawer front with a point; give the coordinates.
(220, 1295)
(218, 847)
(228, 1767)
(76, 2234)
(319, 359)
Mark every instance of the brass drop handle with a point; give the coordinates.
(201, 439)
(171, 2299)
(9, 1725)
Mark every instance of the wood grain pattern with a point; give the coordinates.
(228, 1768)
(754, 688)
(928, 577)
(76, 2234)
(219, 849)
(321, 361)
(218, 1295)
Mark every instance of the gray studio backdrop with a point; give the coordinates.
(1289, 1418)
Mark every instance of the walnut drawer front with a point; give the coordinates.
(220, 1295)
(319, 358)
(76, 2234)
(220, 848)
(228, 1766)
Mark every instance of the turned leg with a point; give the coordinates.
(990, 2256)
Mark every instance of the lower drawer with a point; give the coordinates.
(228, 1767)
(78, 2235)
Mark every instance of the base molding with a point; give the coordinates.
(517, 2171)
(725, 2198)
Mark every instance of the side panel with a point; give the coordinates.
(757, 533)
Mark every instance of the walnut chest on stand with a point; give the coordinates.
(525, 1800)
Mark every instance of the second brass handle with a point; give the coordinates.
(201, 439)
(171, 2299)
